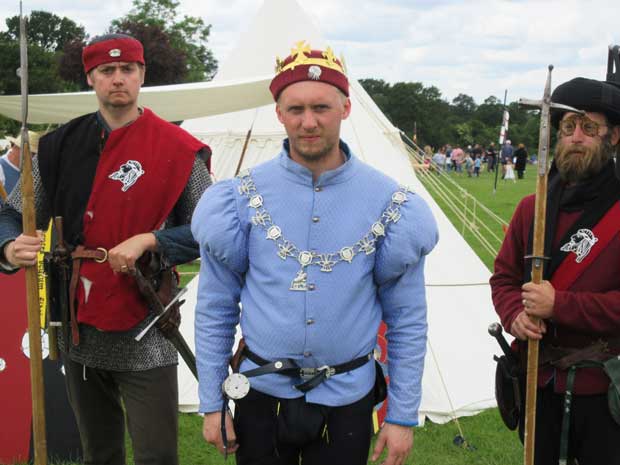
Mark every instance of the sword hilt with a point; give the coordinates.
(495, 330)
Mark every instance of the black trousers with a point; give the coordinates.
(594, 437)
(343, 440)
(150, 399)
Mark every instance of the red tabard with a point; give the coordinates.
(130, 198)
(587, 294)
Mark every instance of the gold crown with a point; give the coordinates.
(301, 56)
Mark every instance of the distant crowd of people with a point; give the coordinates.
(472, 159)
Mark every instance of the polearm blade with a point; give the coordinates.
(538, 251)
(32, 286)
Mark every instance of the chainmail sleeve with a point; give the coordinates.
(175, 240)
(11, 214)
(199, 181)
(41, 204)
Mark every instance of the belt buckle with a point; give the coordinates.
(105, 255)
(329, 371)
(307, 373)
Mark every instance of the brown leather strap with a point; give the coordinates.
(565, 357)
(99, 254)
(75, 274)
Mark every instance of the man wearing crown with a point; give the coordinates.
(318, 248)
(125, 182)
(578, 303)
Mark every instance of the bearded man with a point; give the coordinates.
(578, 302)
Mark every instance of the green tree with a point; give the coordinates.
(42, 70)
(46, 30)
(464, 105)
(188, 35)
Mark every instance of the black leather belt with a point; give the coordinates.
(312, 376)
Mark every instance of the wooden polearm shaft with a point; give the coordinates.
(3, 193)
(538, 252)
(32, 285)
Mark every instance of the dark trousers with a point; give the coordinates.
(150, 399)
(594, 437)
(344, 439)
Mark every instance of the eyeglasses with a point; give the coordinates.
(590, 128)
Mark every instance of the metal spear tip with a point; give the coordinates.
(550, 68)
(495, 329)
(18, 72)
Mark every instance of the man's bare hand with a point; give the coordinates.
(212, 433)
(538, 299)
(524, 328)
(23, 250)
(398, 440)
(123, 257)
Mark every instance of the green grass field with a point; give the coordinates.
(491, 443)
(502, 202)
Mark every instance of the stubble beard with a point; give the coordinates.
(314, 156)
(576, 162)
(115, 106)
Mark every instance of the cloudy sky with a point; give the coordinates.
(478, 48)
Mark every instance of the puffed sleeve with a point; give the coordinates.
(217, 228)
(399, 274)
(222, 239)
(407, 241)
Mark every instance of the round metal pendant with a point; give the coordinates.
(378, 229)
(236, 386)
(399, 197)
(256, 201)
(274, 233)
(347, 254)
(304, 258)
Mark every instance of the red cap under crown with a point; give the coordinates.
(304, 64)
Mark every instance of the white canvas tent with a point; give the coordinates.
(458, 377)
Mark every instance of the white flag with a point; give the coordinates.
(504, 128)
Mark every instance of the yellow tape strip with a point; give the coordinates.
(42, 278)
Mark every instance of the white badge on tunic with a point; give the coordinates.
(236, 386)
(128, 174)
(580, 244)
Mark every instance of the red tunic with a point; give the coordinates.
(141, 173)
(588, 310)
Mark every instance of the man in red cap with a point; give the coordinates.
(318, 248)
(125, 182)
(578, 303)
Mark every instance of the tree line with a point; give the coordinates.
(411, 106)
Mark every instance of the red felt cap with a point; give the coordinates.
(126, 49)
(304, 64)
